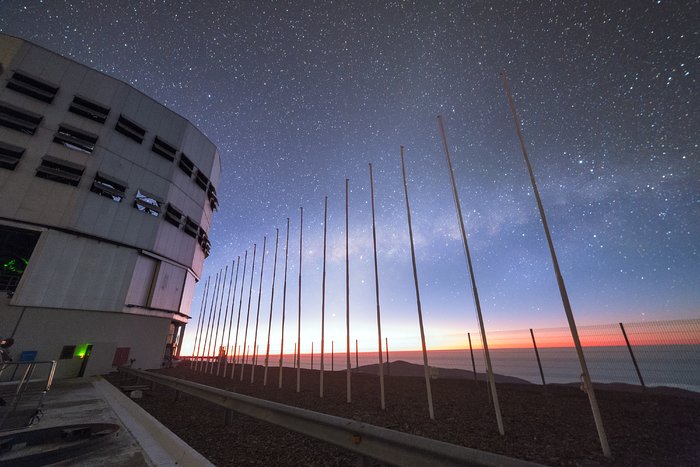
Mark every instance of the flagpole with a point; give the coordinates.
(210, 325)
(426, 368)
(376, 289)
(301, 238)
(198, 333)
(223, 330)
(230, 322)
(323, 293)
(257, 316)
(247, 316)
(284, 304)
(588, 386)
(272, 300)
(347, 292)
(472, 277)
(218, 322)
(237, 354)
(205, 330)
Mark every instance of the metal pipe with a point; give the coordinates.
(537, 354)
(284, 304)
(223, 330)
(472, 277)
(471, 351)
(272, 300)
(301, 238)
(238, 320)
(588, 386)
(347, 293)
(198, 329)
(257, 316)
(205, 348)
(217, 350)
(376, 289)
(230, 322)
(426, 368)
(247, 316)
(634, 360)
(323, 295)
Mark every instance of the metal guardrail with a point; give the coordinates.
(383, 444)
(21, 403)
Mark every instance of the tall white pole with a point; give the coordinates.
(284, 304)
(475, 292)
(246, 347)
(218, 322)
(272, 301)
(223, 329)
(257, 315)
(347, 293)
(426, 368)
(238, 320)
(376, 289)
(301, 238)
(207, 335)
(198, 334)
(230, 322)
(323, 293)
(588, 386)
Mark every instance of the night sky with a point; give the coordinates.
(300, 95)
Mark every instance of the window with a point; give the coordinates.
(148, 203)
(109, 187)
(75, 139)
(191, 228)
(130, 129)
(164, 149)
(213, 200)
(203, 240)
(16, 247)
(19, 119)
(89, 109)
(58, 170)
(186, 165)
(173, 215)
(10, 155)
(67, 352)
(202, 180)
(32, 86)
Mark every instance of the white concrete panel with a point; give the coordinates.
(187, 294)
(142, 281)
(167, 289)
(66, 271)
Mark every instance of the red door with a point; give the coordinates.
(121, 356)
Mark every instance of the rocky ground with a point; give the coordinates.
(553, 427)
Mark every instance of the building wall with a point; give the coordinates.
(102, 271)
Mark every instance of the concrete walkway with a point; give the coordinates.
(143, 440)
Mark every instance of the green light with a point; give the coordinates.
(81, 350)
(16, 266)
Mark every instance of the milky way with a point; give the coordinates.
(300, 95)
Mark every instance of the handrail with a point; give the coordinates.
(380, 443)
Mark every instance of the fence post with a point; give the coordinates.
(471, 351)
(537, 354)
(634, 360)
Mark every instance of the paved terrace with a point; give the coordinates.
(142, 441)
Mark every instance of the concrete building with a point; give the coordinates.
(106, 197)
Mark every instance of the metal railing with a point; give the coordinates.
(21, 399)
(383, 444)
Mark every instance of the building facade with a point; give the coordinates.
(106, 198)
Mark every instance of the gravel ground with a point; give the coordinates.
(553, 427)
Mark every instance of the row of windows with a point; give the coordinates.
(70, 173)
(80, 140)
